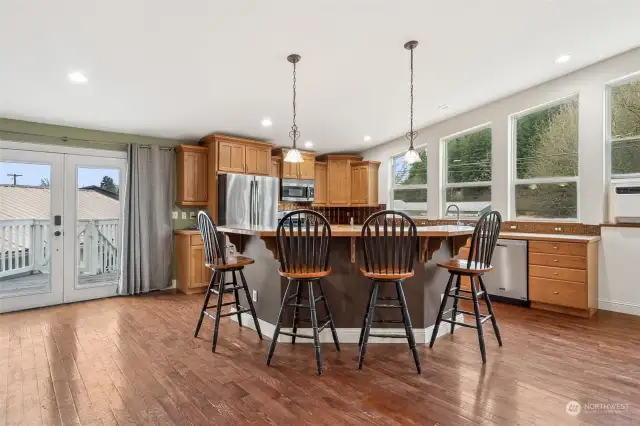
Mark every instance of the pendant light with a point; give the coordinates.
(412, 155)
(294, 156)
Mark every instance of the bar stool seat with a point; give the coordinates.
(460, 265)
(239, 263)
(382, 275)
(305, 273)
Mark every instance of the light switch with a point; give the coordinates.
(184, 215)
(192, 215)
(174, 214)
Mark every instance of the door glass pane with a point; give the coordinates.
(98, 226)
(25, 231)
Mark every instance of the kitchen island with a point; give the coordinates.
(347, 290)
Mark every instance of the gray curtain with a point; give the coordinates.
(148, 240)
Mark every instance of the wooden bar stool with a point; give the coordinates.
(483, 242)
(303, 240)
(389, 252)
(216, 261)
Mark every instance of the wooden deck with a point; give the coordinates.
(133, 360)
(39, 281)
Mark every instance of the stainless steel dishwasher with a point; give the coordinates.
(507, 281)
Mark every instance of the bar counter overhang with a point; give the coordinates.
(346, 289)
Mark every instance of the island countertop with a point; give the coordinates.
(355, 231)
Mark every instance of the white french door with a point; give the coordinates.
(61, 213)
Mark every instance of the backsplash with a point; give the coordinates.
(336, 215)
(527, 227)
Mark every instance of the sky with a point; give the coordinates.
(33, 173)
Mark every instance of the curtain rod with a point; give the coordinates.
(67, 138)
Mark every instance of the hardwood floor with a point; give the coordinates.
(133, 360)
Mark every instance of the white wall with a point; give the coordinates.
(590, 85)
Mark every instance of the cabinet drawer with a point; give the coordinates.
(560, 261)
(196, 240)
(556, 292)
(571, 249)
(575, 275)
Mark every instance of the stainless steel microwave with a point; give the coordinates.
(297, 190)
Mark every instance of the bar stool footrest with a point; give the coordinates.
(388, 306)
(388, 321)
(304, 336)
(391, 336)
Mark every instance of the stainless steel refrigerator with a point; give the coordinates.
(246, 200)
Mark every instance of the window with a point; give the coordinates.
(624, 101)
(467, 173)
(409, 185)
(546, 167)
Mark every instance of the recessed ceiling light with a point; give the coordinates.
(367, 138)
(77, 77)
(266, 122)
(562, 59)
(308, 144)
(443, 107)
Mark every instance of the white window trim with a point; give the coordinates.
(608, 139)
(443, 168)
(393, 186)
(513, 140)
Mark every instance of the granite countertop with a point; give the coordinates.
(352, 231)
(550, 237)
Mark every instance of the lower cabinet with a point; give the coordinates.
(192, 274)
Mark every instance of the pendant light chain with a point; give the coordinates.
(411, 134)
(294, 134)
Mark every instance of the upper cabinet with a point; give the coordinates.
(191, 174)
(320, 181)
(364, 183)
(339, 178)
(304, 170)
(228, 154)
(276, 163)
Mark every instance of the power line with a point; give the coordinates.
(15, 176)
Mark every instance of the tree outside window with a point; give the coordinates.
(625, 129)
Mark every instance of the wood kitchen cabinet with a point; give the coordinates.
(364, 183)
(192, 274)
(276, 162)
(191, 175)
(229, 154)
(320, 181)
(339, 178)
(304, 170)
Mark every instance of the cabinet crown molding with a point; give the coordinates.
(209, 139)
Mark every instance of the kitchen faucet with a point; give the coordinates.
(457, 209)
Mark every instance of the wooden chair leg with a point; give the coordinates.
(367, 327)
(443, 303)
(496, 329)
(455, 303)
(250, 302)
(296, 312)
(366, 315)
(206, 302)
(314, 326)
(334, 332)
(406, 319)
(237, 297)
(276, 333)
(476, 309)
(216, 325)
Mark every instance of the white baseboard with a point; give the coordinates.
(346, 335)
(617, 306)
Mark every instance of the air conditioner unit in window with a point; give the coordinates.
(624, 201)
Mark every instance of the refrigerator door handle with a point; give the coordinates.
(257, 208)
(251, 203)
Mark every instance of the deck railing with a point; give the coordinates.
(25, 246)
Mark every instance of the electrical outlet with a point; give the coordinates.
(184, 215)
(514, 227)
(192, 215)
(174, 214)
(254, 296)
(173, 283)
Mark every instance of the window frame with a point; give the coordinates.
(608, 138)
(445, 162)
(393, 186)
(513, 145)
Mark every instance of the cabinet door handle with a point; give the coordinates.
(555, 273)
(556, 292)
(555, 260)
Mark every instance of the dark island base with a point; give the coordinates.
(346, 289)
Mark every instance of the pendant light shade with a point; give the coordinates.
(412, 155)
(294, 156)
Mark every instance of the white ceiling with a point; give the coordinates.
(182, 69)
